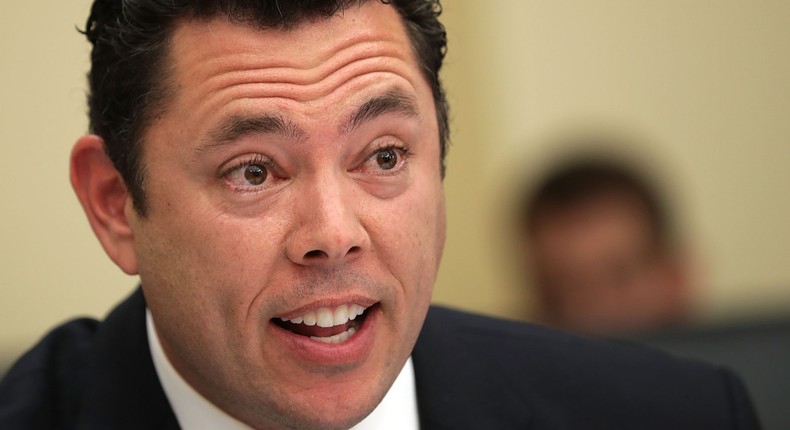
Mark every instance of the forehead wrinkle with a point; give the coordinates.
(249, 56)
(312, 83)
(276, 92)
(219, 67)
(253, 47)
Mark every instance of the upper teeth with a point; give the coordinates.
(325, 317)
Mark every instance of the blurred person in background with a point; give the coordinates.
(600, 253)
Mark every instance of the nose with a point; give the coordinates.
(327, 230)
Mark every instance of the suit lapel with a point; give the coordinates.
(124, 391)
(456, 388)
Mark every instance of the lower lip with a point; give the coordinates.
(352, 351)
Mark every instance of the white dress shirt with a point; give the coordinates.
(398, 409)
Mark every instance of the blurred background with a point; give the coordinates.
(696, 93)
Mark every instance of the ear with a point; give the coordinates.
(104, 197)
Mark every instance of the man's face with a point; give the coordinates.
(600, 271)
(293, 176)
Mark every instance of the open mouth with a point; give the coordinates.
(328, 325)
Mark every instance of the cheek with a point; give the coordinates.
(208, 262)
(413, 240)
(441, 232)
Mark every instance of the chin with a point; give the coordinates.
(323, 416)
(338, 405)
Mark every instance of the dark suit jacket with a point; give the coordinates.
(471, 373)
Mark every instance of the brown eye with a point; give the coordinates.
(255, 174)
(387, 159)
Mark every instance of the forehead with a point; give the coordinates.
(369, 20)
(306, 62)
(594, 228)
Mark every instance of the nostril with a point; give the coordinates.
(316, 253)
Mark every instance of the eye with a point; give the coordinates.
(251, 174)
(255, 174)
(387, 158)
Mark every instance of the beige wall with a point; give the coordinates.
(706, 82)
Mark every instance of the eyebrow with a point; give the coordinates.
(238, 126)
(393, 101)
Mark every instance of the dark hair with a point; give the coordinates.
(580, 181)
(128, 84)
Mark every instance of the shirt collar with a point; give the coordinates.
(398, 409)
